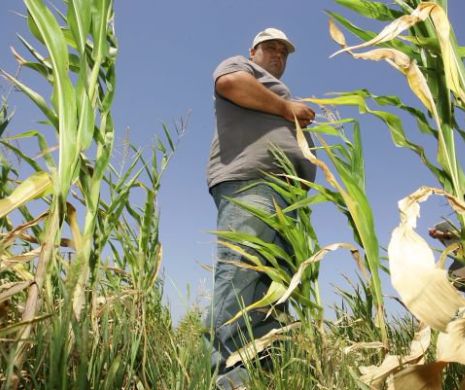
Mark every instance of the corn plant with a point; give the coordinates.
(430, 58)
(80, 114)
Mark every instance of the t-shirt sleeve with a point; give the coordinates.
(231, 65)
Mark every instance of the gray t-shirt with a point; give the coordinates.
(242, 138)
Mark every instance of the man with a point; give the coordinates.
(447, 234)
(253, 110)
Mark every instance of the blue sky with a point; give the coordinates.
(168, 51)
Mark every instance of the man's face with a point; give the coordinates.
(270, 55)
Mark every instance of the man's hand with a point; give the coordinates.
(304, 114)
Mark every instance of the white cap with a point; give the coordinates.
(270, 34)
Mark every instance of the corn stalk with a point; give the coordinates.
(80, 114)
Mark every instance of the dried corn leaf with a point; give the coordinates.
(33, 187)
(12, 289)
(11, 261)
(375, 376)
(297, 278)
(423, 287)
(9, 237)
(73, 224)
(395, 28)
(363, 345)
(336, 34)
(409, 68)
(451, 345)
(421, 341)
(454, 78)
(420, 377)
(252, 349)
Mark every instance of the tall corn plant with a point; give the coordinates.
(295, 273)
(431, 60)
(79, 111)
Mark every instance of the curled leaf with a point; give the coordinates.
(423, 287)
(252, 349)
(274, 293)
(451, 345)
(33, 187)
(336, 34)
(297, 278)
(420, 376)
(376, 375)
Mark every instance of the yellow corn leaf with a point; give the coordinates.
(409, 68)
(7, 291)
(11, 261)
(399, 59)
(297, 278)
(275, 291)
(451, 345)
(18, 231)
(236, 248)
(418, 84)
(73, 224)
(363, 345)
(423, 287)
(453, 75)
(33, 187)
(303, 145)
(336, 33)
(252, 349)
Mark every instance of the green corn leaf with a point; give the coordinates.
(371, 9)
(35, 97)
(419, 116)
(86, 113)
(35, 53)
(429, 43)
(79, 19)
(105, 148)
(275, 273)
(168, 138)
(4, 117)
(461, 51)
(110, 82)
(43, 145)
(34, 29)
(274, 293)
(100, 16)
(63, 92)
(393, 122)
(271, 252)
(33, 187)
(23, 156)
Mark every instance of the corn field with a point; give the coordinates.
(80, 285)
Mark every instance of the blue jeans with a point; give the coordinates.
(236, 286)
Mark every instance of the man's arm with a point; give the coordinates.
(244, 90)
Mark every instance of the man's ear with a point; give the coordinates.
(252, 52)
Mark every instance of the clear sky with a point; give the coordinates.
(168, 50)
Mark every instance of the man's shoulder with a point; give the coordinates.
(239, 59)
(233, 64)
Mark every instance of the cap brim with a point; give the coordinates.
(289, 45)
